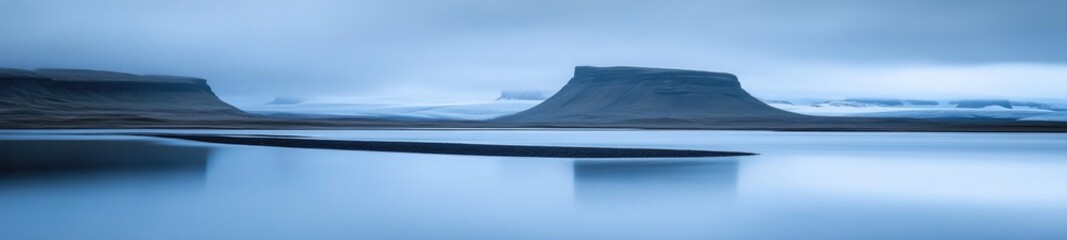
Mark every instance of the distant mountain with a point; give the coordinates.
(844, 103)
(78, 98)
(782, 102)
(874, 102)
(993, 109)
(638, 97)
(649, 95)
(287, 100)
(596, 97)
(393, 111)
(1005, 114)
(983, 103)
(521, 95)
(72, 95)
(891, 102)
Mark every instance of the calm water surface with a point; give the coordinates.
(62, 185)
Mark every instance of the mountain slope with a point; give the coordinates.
(651, 95)
(86, 95)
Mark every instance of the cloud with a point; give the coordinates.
(334, 47)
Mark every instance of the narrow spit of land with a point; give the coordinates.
(451, 148)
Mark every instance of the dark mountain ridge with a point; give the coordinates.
(638, 97)
(73, 94)
(597, 97)
(619, 94)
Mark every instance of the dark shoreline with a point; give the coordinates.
(451, 148)
(1019, 129)
(814, 124)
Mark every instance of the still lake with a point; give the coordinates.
(803, 185)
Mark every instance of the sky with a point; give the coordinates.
(473, 49)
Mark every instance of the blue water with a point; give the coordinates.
(802, 186)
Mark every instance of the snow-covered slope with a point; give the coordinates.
(988, 113)
(1057, 117)
(838, 108)
(396, 110)
(522, 95)
(928, 109)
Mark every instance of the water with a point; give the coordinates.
(58, 185)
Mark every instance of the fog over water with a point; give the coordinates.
(472, 49)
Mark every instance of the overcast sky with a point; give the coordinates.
(475, 48)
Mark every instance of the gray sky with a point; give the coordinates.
(475, 48)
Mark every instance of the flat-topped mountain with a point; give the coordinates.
(637, 94)
(72, 95)
(600, 97)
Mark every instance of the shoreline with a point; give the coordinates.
(450, 148)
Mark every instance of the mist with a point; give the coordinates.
(472, 49)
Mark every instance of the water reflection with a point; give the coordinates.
(654, 183)
(36, 159)
(815, 186)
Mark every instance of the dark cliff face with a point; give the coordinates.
(629, 94)
(71, 95)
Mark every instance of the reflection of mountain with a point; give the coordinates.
(24, 158)
(628, 183)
